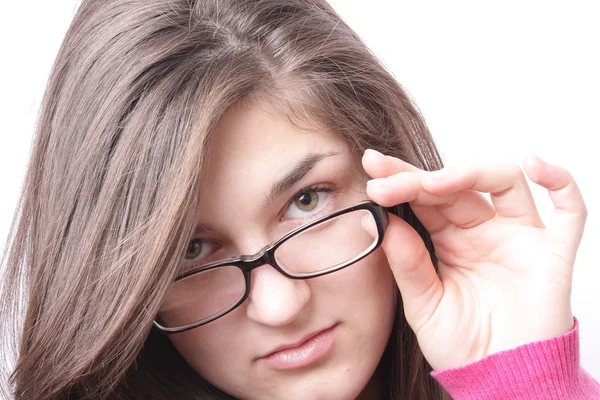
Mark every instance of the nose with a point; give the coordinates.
(275, 300)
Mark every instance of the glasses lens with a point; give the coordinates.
(327, 246)
(202, 296)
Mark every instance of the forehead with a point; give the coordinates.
(254, 128)
(252, 146)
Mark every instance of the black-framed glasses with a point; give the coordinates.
(325, 245)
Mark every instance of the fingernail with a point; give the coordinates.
(538, 159)
(438, 175)
(374, 153)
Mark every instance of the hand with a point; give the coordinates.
(504, 277)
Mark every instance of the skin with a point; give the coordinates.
(504, 274)
(250, 150)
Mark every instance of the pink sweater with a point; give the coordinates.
(548, 369)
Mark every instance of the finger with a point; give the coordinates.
(400, 188)
(568, 217)
(378, 165)
(406, 188)
(410, 262)
(464, 209)
(403, 187)
(506, 184)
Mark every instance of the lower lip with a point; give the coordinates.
(306, 354)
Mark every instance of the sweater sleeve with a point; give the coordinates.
(547, 369)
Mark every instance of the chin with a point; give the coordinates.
(330, 381)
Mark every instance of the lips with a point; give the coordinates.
(304, 352)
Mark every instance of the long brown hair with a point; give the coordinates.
(111, 188)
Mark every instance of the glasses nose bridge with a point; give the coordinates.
(261, 257)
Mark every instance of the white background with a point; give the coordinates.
(494, 80)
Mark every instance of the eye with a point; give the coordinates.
(199, 249)
(309, 202)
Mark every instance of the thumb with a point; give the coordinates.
(410, 261)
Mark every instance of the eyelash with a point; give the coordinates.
(319, 188)
(311, 189)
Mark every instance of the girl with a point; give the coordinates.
(209, 214)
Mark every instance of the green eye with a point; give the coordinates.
(199, 249)
(307, 201)
(194, 249)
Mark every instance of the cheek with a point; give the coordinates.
(379, 289)
(363, 297)
(369, 281)
(206, 349)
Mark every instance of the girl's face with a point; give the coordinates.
(340, 323)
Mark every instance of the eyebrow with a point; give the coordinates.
(302, 168)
